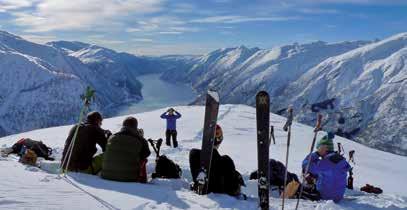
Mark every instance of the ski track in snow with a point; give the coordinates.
(24, 187)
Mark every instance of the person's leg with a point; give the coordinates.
(174, 139)
(167, 137)
(310, 193)
(97, 163)
(194, 162)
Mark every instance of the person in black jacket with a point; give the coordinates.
(223, 175)
(89, 135)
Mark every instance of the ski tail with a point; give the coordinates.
(211, 115)
(263, 143)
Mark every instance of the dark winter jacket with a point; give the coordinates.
(331, 174)
(171, 120)
(85, 146)
(124, 152)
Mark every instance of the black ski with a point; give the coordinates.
(211, 115)
(263, 143)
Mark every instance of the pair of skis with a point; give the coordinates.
(263, 144)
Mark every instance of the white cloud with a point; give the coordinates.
(41, 39)
(184, 8)
(239, 19)
(318, 11)
(142, 40)
(173, 49)
(6, 5)
(131, 30)
(49, 15)
(185, 29)
(171, 32)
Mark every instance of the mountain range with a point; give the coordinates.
(359, 86)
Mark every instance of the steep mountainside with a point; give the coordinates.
(360, 85)
(40, 86)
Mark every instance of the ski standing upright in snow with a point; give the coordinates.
(287, 128)
(316, 129)
(263, 144)
(87, 97)
(211, 116)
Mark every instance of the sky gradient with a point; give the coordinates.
(159, 27)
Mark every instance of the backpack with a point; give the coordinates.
(277, 172)
(29, 157)
(40, 149)
(164, 168)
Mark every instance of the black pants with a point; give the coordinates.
(171, 134)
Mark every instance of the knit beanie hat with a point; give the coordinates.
(328, 141)
(218, 135)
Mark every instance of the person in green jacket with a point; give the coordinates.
(126, 154)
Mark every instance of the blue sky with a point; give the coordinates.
(158, 27)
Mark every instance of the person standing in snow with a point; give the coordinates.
(89, 135)
(224, 178)
(171, 115)
(326, 178)
(126, 154)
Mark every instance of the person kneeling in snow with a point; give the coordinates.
(126, 154)
(327, 174)
(223, 175)
(82, 157)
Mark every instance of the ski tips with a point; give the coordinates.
(214, 94)
(262, 93)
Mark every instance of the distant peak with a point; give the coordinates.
(7, 34)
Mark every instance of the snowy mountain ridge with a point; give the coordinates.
(362, 83)
(40, 86)
(238, 122)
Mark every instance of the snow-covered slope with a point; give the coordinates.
(364, 82)
(369, 88)
(40, 86)
(119, 66)
(26, 187)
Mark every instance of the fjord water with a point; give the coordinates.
(158, 93)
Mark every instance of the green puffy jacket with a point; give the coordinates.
(124, 152)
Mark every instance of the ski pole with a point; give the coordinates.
(317, 128)
(287, 127)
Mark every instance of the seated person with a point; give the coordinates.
(126, 154)
(223, 175)
(327, 173)
(89, 135)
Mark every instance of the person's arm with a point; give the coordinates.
(313, 168)
(177, 115)
(164, 115)
(145, 150)
(101, 138)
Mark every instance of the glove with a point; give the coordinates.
(141, 132)
(107, 133)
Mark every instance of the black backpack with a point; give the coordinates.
(277, 172)
(40, 149)
(165, 168)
